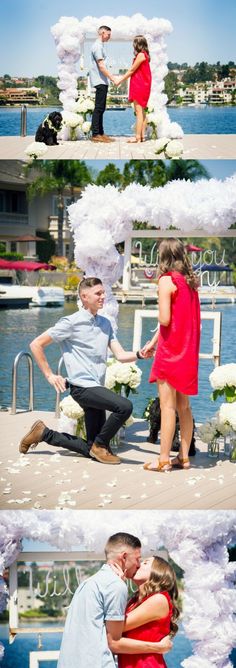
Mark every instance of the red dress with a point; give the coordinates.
(153, 632)
(177, 353)
(140, 83)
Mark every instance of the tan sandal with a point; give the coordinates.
(161, 468)
(181, 462)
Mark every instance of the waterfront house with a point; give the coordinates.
(21, 219)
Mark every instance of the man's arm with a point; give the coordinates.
(119, 645)
(37, 348)
(102, 67)
(126, 356)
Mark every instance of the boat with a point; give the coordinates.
(25, 296)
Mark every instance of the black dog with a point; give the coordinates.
(48, 129)
(155, 425)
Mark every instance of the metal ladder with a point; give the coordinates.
(31, 383)
(14, 380)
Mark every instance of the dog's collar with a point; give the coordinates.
(50, 124)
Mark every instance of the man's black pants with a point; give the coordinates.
(95, 401)
(100, 106)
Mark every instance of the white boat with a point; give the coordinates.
(48, 296)
(23, 296)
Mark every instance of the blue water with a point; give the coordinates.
(19, 327)
(194, 120)
(17, 655)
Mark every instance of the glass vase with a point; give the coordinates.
(232, 449)
(80, 429)
(213, 448)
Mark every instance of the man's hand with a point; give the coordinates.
(118, 80)
(165, 645)
(148, 350)
(117, 569)
(57, 381)
(115, 79)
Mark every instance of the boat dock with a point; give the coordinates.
(198, 147)
(50, 477)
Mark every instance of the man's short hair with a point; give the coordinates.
(119, 540)
(104, 28)
(89, 282)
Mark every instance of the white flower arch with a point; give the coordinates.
(104, 217)
(70, 34)
(197, 541)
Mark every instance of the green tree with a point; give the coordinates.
(109, 175)
(188, 170)
(57, 176)
(145, 172)
(45, 248)
(171, 85)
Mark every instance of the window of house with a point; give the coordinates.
(13, 201)
(13, 247)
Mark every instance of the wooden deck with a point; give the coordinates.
(199, 147)
(47, 475)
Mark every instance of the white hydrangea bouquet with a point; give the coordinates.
(76, 120)
(35, 150)
(223, 382)
(212, 429)
(122, 376)
(172, 148)
(72, 418)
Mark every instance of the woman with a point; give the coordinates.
(150, 614)
(175, 367)
(140, 85)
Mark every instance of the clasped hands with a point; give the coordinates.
(117, 80)
(148, 350)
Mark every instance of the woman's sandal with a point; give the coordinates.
(134, 140)
(181, 462)
(161, 468)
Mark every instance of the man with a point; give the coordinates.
(99, 76)
(98, 607)
(84, 338)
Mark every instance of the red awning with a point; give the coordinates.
(23, 265)
(190, 248)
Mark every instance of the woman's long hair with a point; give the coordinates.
(162, 578)
(173, 257)
(140, 44)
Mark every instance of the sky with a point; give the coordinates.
(203, 30)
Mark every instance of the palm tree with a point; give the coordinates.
(188, 170)
(56, 176)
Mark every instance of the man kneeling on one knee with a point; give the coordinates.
(84, 338)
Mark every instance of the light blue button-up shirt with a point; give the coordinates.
(97, 53)
(83, 339)
(101, 598)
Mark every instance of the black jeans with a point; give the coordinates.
(95, 401)
(100, 106)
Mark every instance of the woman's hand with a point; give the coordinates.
(148, 349)
(117, 569)
(164, 645)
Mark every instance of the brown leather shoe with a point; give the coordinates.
(97, 138)
(33, 437)
(103, 456)
(108, 138)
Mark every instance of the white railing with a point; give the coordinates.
(48, 655)
(214, 355)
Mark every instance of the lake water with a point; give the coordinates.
(19, 327)
(194, 120)
(16, 655)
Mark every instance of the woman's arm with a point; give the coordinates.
(136, 64)
(155, 607)
(166, 289)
